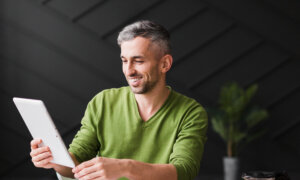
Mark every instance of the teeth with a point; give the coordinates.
(134, 80)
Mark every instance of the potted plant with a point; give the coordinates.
(235, 120)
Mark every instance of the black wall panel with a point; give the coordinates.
(65, 52)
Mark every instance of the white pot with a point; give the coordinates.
(231, 168)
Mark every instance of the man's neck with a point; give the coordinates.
(152, 101)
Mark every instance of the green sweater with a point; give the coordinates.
(112, 127)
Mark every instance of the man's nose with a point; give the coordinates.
(130, 69)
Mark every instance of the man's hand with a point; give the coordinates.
(41, 156)
(100, 168)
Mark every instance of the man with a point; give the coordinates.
(144, 131)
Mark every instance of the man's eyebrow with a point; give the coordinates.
(133, 57)
(136, 57)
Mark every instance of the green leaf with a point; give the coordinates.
(227, 94)
(238, 136)
(231, 99)
(219, 127)
(250, 92)
(238, 105)
(255, 116)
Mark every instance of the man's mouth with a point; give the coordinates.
(135, 81)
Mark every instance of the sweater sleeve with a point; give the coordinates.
(189, 145)
(85, 144)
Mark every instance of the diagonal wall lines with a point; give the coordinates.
(215, 72)
(211, 39)
(68, 56)
(87, 11)
(131, 19)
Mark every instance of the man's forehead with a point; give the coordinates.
(137, 41)
(138, 45)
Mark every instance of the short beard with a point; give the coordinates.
(144, 89)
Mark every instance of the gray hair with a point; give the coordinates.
(147, 29)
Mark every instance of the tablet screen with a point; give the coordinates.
(41, 126)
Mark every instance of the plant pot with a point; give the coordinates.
(231, 168)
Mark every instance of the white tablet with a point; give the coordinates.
(40, 125)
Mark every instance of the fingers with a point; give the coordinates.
(41, 156)
(86, 164)
(45, 163)
(91, 176)
(90, 172)
(37, 151)
(35, 143)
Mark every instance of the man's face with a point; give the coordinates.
(140, 64)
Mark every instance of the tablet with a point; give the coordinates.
(41, 126)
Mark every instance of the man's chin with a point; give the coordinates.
(137, 90)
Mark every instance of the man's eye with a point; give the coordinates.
(124, 61)
(139, 61)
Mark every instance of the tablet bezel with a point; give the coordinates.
(41, 126)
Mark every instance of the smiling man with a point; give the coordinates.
(143, 131)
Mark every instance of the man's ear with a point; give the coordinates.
(166, 63)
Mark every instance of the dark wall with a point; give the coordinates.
(64, 52)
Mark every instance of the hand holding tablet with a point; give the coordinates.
(41, 156)
(41, 127)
